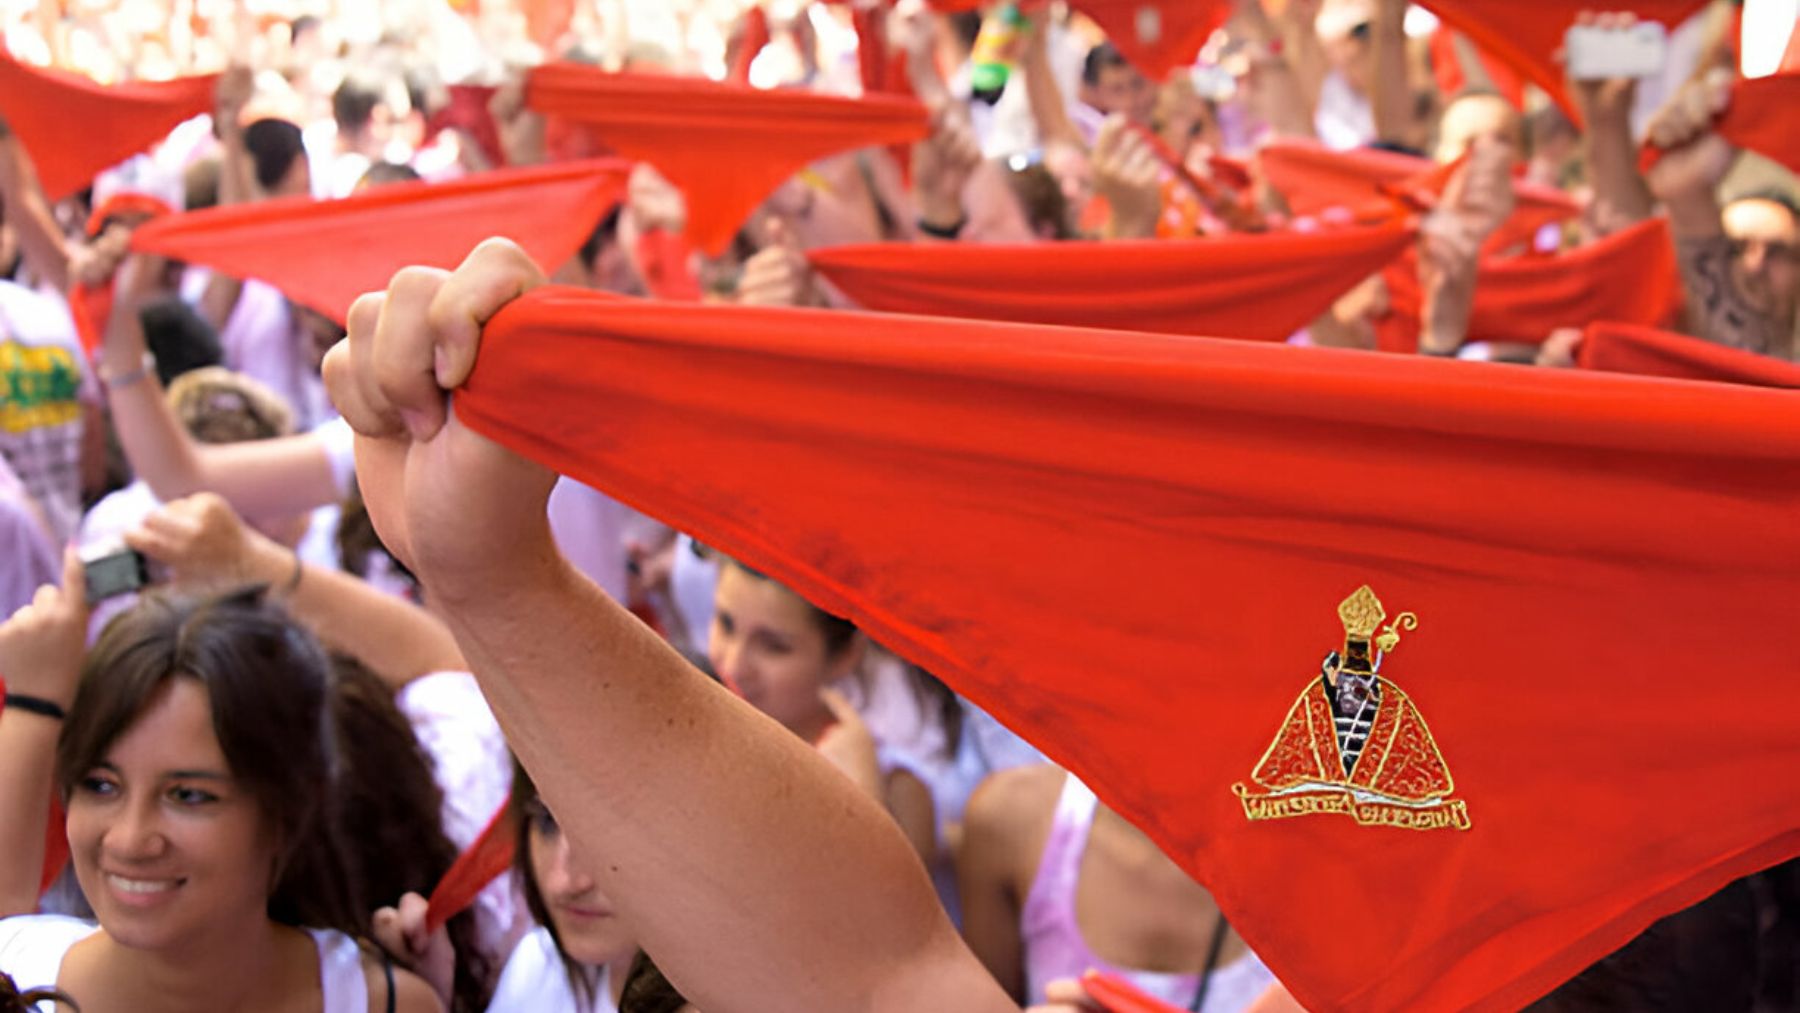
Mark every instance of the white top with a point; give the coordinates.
(471, 764)
(46, 385)
(535, 981)
(32, 948)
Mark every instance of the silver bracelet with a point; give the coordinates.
(145, 368)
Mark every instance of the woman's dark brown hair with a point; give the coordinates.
(526, 809)
(387, 792)
(14, 1001)
(647, 991)
(268, 683)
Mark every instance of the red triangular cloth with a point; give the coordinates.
(1157, 36)
(1623, 348)
(1314, 180)
(75, 128)
(726, 146)
(1759, 119)
(1629, 276)
(1264, 287)
(1133, 549)
(1526, 34)
(324, 254)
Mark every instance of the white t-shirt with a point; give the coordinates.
(24, 545)
(263, 341)
(43, 386)
(534, 979)
(32, 948)
(470, 763)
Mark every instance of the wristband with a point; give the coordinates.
(124, 380)
(34, 705)
(942, 231)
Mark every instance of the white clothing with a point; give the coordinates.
(1344, 118)
(535, 981)
(470, 762)
(43, 387)
(264, 341)
(32, 948)
(590, 529)
(692, 582)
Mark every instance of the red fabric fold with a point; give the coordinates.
(726, 146)
(1527, 34)
(1448, 66)
(1262, 287)
(467, 111)
(74, 128)
(324, 254)
(481, 863)
(1157, 36)
(1761, 117)
(1314, 180)
(1133, 549)
(1624, 348)
(1630, 276)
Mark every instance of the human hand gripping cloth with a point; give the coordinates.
(1629, 276)
(1527, 34)
(1556, 604)
(1313, 180)
(1262, 287)
(74, 127)
(324, 254)
(1622, 348)
(726, 146)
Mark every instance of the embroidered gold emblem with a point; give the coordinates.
(1353, 743)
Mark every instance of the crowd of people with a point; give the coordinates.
(237, 784)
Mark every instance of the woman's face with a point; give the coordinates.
(166, 845)
(767, 646)
(590, 932)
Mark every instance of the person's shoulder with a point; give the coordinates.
(1014, 803)
(413, 995)
(34, 317)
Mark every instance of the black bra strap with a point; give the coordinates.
(387, 972)
(1212, 962)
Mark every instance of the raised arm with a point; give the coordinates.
(1392, 99)
(206, 546)
(263, 478)
(1621, 198)
(41, 648)
(237, 184)
(759, 876)
(46, 252)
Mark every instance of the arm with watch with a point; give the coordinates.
(261, 478)
(41, 648)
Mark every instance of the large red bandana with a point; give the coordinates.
(1622, 348)
(1629, 276)
(324, 254)
(1141, 551)
(74, 128)
(726, 146)
(1264, 287)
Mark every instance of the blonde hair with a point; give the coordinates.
(216, 405)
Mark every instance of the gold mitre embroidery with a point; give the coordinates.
(1361, 613)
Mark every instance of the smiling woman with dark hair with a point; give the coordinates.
(196, 764)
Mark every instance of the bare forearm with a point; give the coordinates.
(395, 639)
(27, 754)
(744, 861)
(1392, 99)
(1045, 97)
(1620, 196)
(46, 251)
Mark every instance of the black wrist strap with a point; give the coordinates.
(34, 705)
(942, 231)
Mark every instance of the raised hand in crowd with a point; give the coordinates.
(1620, 196)
(778, 274)
(1128, 176)
(1477, 201)
(522, 138)
(735, 915)
(941, 167)
(401, 931)
(1694, 157)
(41, 649)
(205, 546)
